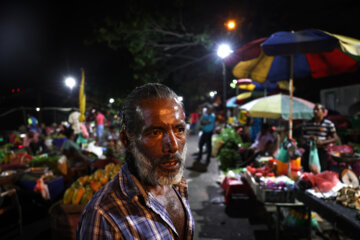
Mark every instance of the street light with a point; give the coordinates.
(212, 94)
(223, 51)
(70, 82)
(230, 25)
(111, 100)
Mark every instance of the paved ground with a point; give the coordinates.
(244, 219)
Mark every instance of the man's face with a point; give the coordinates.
(318, 111)
(160, 148)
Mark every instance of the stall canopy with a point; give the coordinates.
(277, 106)
(289, 55)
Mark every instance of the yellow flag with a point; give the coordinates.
(82, 97)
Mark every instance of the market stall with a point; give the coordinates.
(341, 217)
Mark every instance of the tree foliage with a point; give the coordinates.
(159, 41)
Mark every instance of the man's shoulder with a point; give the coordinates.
(107, 198)
(328, 122)
(309, 121)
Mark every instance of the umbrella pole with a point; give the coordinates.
(291, 95)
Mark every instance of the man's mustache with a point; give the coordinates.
(168, 158)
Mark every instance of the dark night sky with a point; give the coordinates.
(40, 44)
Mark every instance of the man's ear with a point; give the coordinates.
(124, 139)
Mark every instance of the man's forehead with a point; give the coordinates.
(160, 108)
(318, 107)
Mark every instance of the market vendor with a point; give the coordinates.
(32, 143)
(264, 144)
(110, 138)
(323, 132)
(77, 162)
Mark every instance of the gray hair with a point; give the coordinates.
(131, 118)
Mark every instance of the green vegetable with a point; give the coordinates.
(230, 134)
(43, 161)
(229, 158)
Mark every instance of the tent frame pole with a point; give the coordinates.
(291, 95)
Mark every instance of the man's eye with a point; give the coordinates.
(155, 132)
(180, 129)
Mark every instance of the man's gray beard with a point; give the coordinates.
(149, 175)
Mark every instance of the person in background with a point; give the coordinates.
(74, 121)
(32, 123)
(255, 128)
(323, 132)
(78, 163)
(207, 122)
(148, 198)
(100, 118)
(110, 139)
(32, 143)
(262, 145)
(194, 118)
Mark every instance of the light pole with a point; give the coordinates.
(223, 51)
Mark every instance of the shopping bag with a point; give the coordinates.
(217, 144)
(314, 161)
(283, 154)
(62, 164)
(282, 162)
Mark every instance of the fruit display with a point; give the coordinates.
(265, 171)
(349, 178)
(349, 197)
(44, 160)
(277, 183)
(81, 191)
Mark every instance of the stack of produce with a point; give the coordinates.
(44, 160)
(265, 171)
(81, 191)
(349, 197)
(278, 183)
(229, 156)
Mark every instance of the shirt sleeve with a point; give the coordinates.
(332, 129)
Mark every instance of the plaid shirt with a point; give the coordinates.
(123, 210)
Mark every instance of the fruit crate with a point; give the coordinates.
(279, 196)
(253, 184)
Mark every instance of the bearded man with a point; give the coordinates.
(148, 198)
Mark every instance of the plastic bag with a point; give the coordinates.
(283, 155)
(326, 180)
(62, 164)
(314, 161)
(217, 143)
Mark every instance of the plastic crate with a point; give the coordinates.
(280, 196)
(253, 184)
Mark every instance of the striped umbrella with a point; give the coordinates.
(277, 106)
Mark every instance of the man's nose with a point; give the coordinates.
(170, 143)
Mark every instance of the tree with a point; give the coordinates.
(159, 42)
